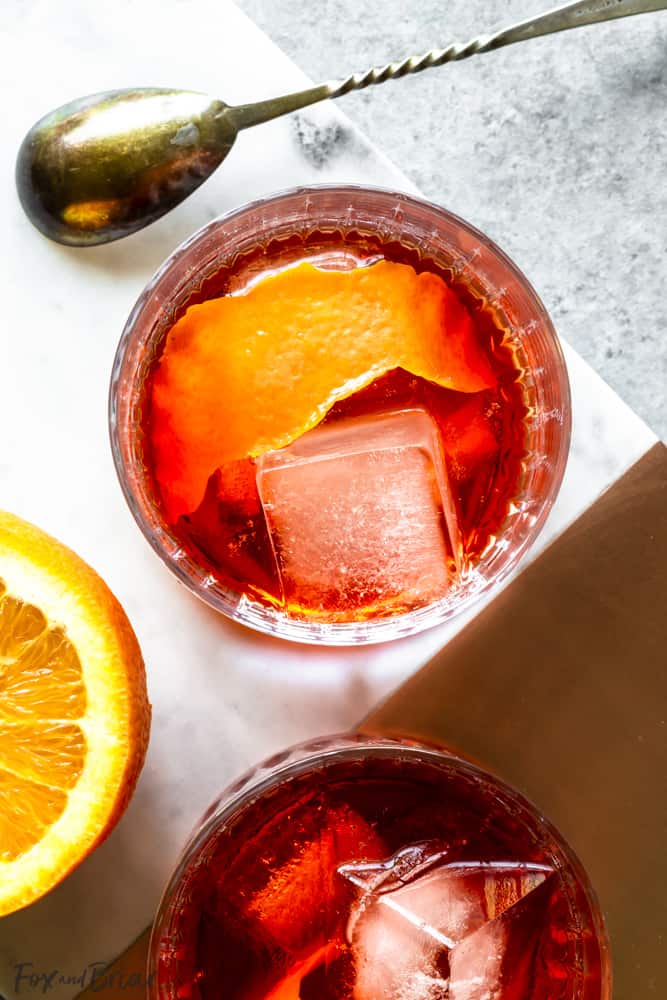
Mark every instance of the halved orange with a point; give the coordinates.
(244, 374)
(74, 713)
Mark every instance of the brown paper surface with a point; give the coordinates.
(560, 687)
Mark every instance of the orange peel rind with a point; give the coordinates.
(244, 374)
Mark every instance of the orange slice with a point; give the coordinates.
(245, 374)
(74, 714)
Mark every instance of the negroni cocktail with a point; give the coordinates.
(341, 439)
(339, 415)
(378, 871)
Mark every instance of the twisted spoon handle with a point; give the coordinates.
(572, 15)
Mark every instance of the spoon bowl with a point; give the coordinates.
(105, 166)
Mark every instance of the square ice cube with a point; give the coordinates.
(426, 929)
(360, 516)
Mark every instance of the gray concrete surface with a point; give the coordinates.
(556, 148)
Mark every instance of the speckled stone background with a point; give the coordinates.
(557, 148)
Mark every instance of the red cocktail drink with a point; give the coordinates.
(361, 870)
(340, 415)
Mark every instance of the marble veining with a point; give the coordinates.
(223, 696)
(320, 144)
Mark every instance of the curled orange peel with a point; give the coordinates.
(245, 374)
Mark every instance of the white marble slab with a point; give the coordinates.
(223, 696)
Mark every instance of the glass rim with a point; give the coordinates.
(268, 620)
(330, 749)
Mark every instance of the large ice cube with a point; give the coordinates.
(498, 961)
(360, 515)
(409, 924)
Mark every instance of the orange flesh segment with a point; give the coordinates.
(27, 810)
(42, 753)
(245, 374)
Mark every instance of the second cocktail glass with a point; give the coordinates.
(359, 868)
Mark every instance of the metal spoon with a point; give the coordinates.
(107, 165)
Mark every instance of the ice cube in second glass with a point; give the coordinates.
(410, 941)
(360, 516)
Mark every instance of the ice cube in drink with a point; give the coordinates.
(361, 516)
(410, 921)
(500, 961)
